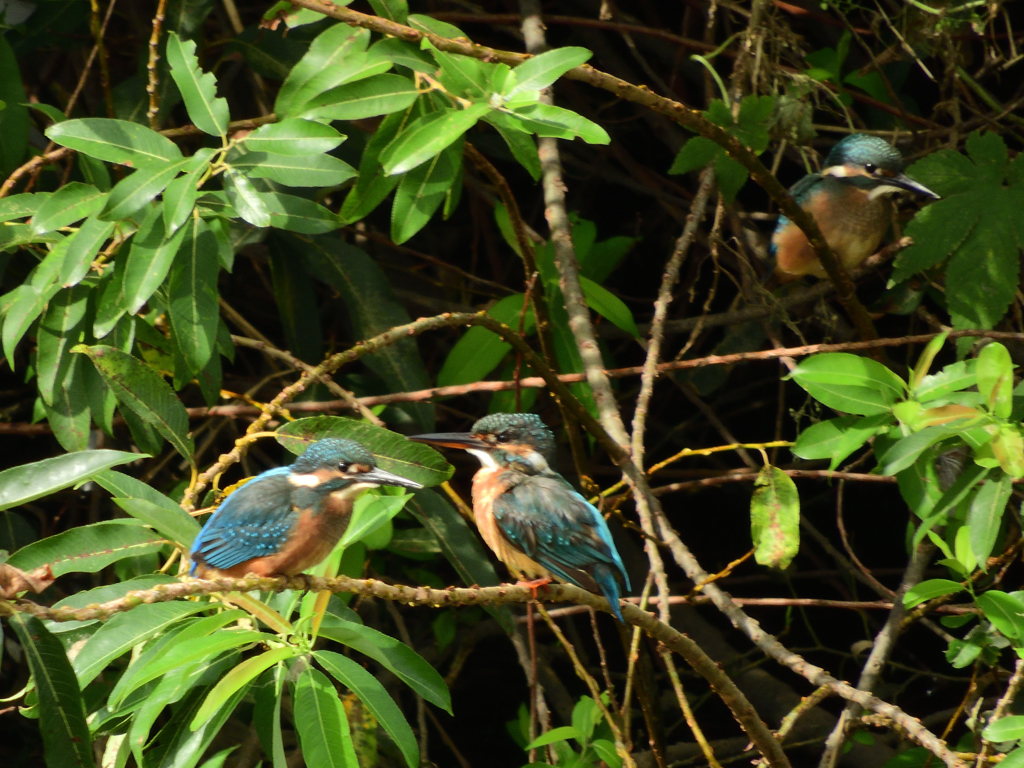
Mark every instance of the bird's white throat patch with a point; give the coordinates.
(304, 481)
(486, 460)
(351, 491)
(883, 190)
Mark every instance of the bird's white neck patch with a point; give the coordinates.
(486, 460)
(304, 481)
(351, 491)
(883, 190)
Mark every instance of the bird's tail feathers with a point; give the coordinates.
(607, 579)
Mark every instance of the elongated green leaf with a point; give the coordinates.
(294, 137)
(149, 260)
(372, 309)
(297, 214)
(428, 136)
(58, 331)
(179, 200)
(171, 521)
(68, 411)
(20, 485)
(192, 295)
(66, 738)
(340, 49)
(241, 675)
(609, 306)
(309, 171)
(116, 141)
(1006, 612)
(408, 665)
(124, 631)
(775, 518)
(246, 199)
(140, 388)
(538, 72)
(1005, 728)
(22, 206)
(520, 142)
(906, 451)
(266, 716)
(422, 190)
(198, 89)
(404, 53)
(373, 185)
(377, 95)
(557, 734)
(986, 515)
(88, 548)
(82, 249)
(836, 439)
(130, 194)
(995, 378)
(480, 351)
(371, 518)
(549, 120)
(392, 451)
(321, 723)
(929, 590)
(72, 202)
(395, 10)
(372, 694)
(27, 306)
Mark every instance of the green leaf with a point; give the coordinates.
(372, 515)
(336, 56)
(849, 382)
(372, 694)
(309, 171)
(58, 331)
(321, 723)
(68, 412)
(563, 733)
(140, 388)
(123, 631)
(731, 176)
(775, 518)
(179, 200)
(72, 202)
(460, 546)
(198, 89)
(909, 449)
(393, 10)
(170, 520)
(238, 677)
(953, 378)
(22, 206)
(392, 451)
(609, 306)
(246, 199)
(148, 261)
(549, 120)
(82, 249)
(102, 595)
(929, 590)
(372, 308)
(130, 194)
(1008, 728)
(62, 726)
(88, 548)
(297, 214)
(606, 751)
(428, 136)
(116, 141)
(519, 141)
(28, 482)
(538, 72)
(1006, 612)
(836, 439)
(694, 155)
(14, 119)
(480, 351)
(404, 53)
(373, 185)
(995, 378)
(422, 190)
(986, 515)
(266, 717)
(192, 295)
(408, 665)
(294, 137)
(377, 95)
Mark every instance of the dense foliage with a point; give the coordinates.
(218, 224)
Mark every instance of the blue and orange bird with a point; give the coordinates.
(288, 519)
(849, 199)
(528, 514)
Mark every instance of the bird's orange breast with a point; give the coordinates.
(487, 486)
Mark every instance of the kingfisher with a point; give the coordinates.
(528, 514)
(288, 519)
(849, 199)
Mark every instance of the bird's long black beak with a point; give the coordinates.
(383, 477)
(903, 181)
(464, 440)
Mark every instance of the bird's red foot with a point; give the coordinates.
(534, 585)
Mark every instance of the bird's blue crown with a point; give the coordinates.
(330, 452)
(860, 149)
(519, 429)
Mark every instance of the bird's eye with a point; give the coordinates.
(343, 466)
(502, 438)
(870, 167)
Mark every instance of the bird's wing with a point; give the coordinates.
(552, 524)
(253, 521)
(799, 191)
